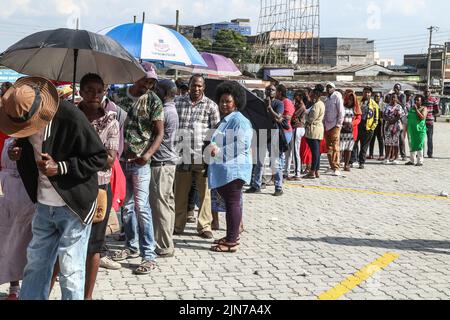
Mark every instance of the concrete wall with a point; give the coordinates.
(347, 51)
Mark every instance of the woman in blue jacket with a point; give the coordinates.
(230, 167)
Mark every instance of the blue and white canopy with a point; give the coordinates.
(152, 42)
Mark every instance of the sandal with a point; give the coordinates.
(124, 255)
(224, 241)
(145, 268)
(225, 248)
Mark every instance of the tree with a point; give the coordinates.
(202, 45)
(233, 45)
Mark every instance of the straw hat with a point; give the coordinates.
(28, 106)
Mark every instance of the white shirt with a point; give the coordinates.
(47, 194)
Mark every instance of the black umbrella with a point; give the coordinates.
(255, 111)
(67, 55)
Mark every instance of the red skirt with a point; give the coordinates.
(305, 152)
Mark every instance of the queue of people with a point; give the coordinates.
(154, 149)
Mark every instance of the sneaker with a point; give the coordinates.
(337, 173)
(329, 170)
(395, 163)
(263, 186)
(124, 255)
(278, 193)
(253, 191)
(419, 165)
(386, 162)
(361, 166)
(108, 263)
(409, 164)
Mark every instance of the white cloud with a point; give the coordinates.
(405, 7)
(12, 7)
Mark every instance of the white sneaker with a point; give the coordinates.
(337, 173)
(386, 162)
(107, 263)
(395, 163)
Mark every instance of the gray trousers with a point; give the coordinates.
(162, 202)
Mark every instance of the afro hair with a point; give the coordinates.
(235, 90)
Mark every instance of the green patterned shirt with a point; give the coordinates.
(143, 112)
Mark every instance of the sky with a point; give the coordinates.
(397, 26)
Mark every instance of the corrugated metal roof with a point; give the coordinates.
(355, 68)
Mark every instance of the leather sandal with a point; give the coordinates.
(145, 268)
(224, 241)
(225, 248)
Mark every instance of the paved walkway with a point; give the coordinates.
(381, 233)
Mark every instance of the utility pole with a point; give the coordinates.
(431, 29)
(177, 27)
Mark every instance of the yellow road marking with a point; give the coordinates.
(381, 193)
(359, 277)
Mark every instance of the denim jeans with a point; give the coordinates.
(277, 169)
(137, 213)
(57, 232)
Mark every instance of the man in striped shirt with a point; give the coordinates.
(432, 104)
(197, 115)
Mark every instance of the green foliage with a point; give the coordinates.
(202, 45)
(233, 45)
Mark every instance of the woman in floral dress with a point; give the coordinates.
(393, 112)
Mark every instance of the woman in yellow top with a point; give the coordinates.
(315, 130)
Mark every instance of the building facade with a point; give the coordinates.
(345, 52)
(185, 30)
(209, 31)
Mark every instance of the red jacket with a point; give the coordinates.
(356, 122)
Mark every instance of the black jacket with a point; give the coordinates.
(73, 143)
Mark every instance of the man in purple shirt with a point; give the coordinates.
(334, 118)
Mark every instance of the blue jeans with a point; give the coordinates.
(137, 214)
(277, 171)
(57, 232)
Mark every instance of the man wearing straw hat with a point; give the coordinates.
(58, 155)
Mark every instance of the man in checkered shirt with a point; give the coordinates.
(198, 115)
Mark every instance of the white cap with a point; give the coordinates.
(331, 84)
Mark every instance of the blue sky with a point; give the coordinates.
(397, 26)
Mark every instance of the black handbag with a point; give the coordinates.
(284, 145)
